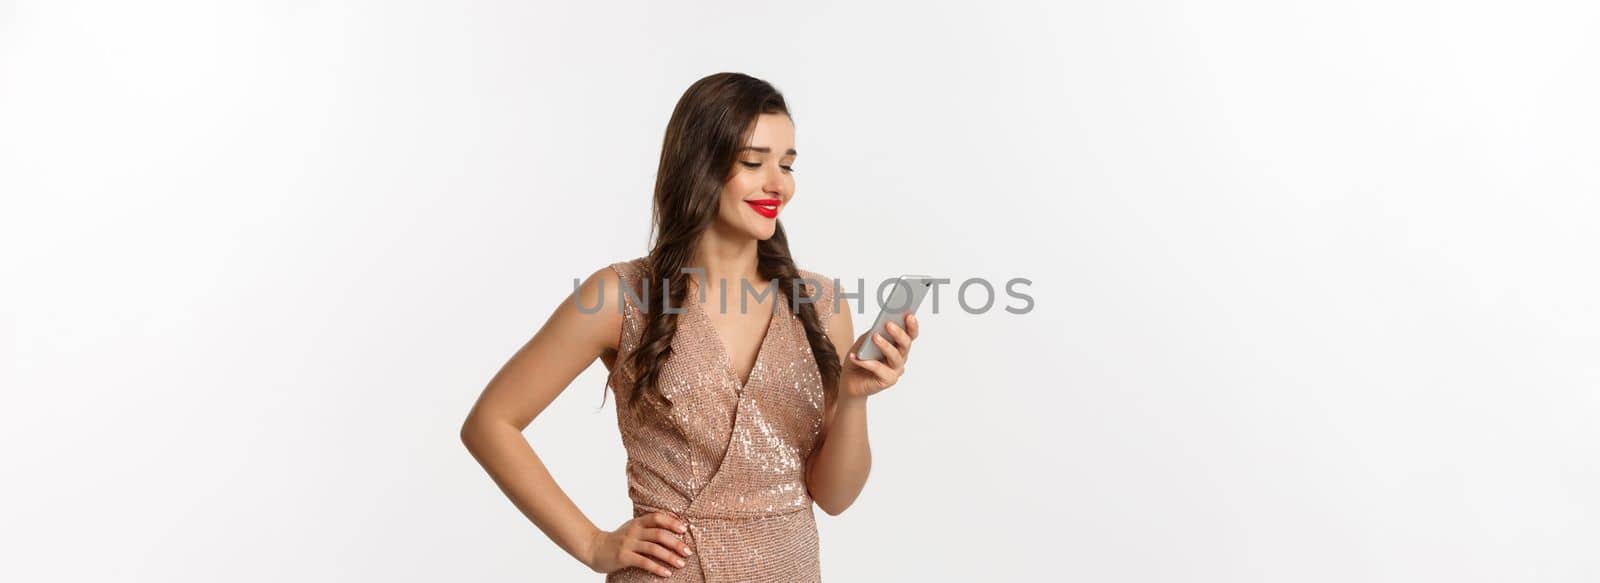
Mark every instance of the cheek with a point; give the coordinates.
(735, 191)
(729, 205)
(731, 199)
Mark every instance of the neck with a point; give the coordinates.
(726, 257)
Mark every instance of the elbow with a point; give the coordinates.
(471, 433)
(833, 497)
(833, 503)
(479, 431)
(837, 505)
(834, 508)
(467, 435)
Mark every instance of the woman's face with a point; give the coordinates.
(762, 185)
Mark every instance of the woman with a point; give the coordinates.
(735, 420)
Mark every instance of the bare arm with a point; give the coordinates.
(837, 472)
(568, 343)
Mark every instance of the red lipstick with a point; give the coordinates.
(767, 207)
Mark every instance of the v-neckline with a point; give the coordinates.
(727, 355)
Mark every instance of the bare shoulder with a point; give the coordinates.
(593, 311)
(597, 309)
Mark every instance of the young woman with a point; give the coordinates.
(735, 420)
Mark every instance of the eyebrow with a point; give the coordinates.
(766, 150)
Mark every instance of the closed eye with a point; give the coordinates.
(758, 165)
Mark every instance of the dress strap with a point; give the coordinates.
(822, 292)
(629, 300)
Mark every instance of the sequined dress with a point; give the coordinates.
(731, 460)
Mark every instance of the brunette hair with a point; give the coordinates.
(711, 122)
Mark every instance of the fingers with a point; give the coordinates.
(656, 551)
(895, 344)
(649, 543)
(901, 339)
(857, 346)
(664, 520)
(665, 538)
(891, 354)
(633, 559)
(886, 376)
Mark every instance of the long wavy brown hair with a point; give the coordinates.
(713, 119)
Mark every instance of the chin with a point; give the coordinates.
(760, 231)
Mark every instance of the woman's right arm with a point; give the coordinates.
(568, 343)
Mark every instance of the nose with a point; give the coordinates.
(776, 184)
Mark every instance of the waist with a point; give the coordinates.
(693, 513)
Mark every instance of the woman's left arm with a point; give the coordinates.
(838, 470)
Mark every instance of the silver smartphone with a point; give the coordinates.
(904, 299)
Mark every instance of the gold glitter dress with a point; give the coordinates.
(731, 461)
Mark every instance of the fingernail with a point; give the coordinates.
(680, 562)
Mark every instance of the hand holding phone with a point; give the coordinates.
(909, 290)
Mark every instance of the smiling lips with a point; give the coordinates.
(767, 207)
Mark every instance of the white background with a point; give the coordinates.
(1314, 281)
